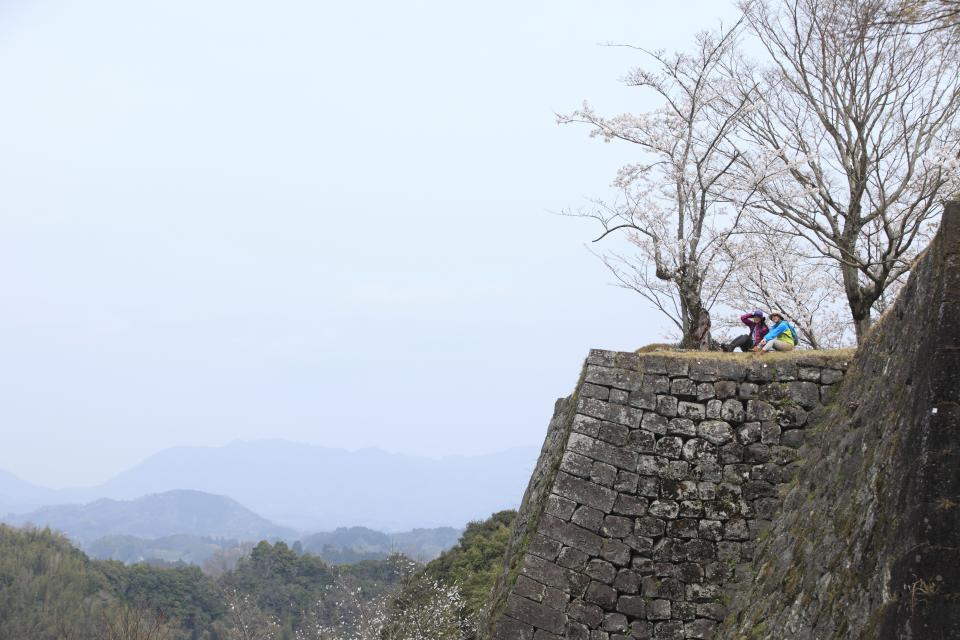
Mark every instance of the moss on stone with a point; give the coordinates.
(801, 356)
(513, 558)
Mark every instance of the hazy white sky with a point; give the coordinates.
(326, 222)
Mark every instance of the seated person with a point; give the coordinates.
(782, 336)
(758, 329)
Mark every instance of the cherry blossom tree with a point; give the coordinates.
(852, 141)
(434, 610)
(428, 609)
(675, 205)
(246, 621)
(773, 272)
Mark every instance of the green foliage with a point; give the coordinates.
(477, 559)
(281, 583)
(181, 593)
(471, 567)
(48, 589)
(378, 578)
(290, 588)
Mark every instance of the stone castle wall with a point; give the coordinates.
(797, 496)
(656, 479)
(867, 543)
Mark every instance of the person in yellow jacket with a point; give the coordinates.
(782, 336)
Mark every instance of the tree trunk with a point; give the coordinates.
(859, 302)
(696, 319)
(862, 321)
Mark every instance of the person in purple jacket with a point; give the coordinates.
(758, 329)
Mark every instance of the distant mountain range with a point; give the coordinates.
(312, 488)
(190, 526)
(19, 495)
(180, 512)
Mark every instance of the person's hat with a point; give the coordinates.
(758, 313)
(778, 314)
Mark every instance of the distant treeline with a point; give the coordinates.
(345, 545)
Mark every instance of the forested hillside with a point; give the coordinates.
(451, 592)
(49, 590)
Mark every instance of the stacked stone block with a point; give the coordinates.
(669, 473)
